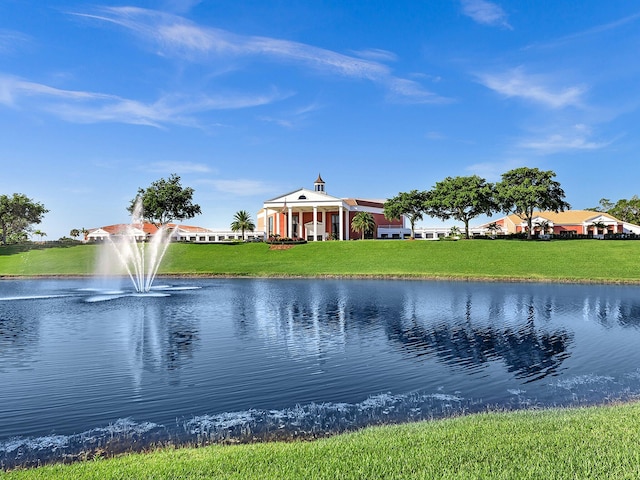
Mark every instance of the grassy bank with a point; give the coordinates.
(592, 443)
(580, 260)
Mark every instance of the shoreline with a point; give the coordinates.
(417, 277)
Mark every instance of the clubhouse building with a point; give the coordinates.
(314, 215)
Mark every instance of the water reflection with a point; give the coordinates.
(19, 332)
(483, 330)
(254, 358)
(460, 329)
(160, 336)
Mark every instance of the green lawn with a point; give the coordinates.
(586, 443)
(579, 260)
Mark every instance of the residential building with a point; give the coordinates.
(567, 223)
(179, 233)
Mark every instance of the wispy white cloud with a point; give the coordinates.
(596, 30)
(239, 187)
(376, 55)
(577, 138)
(485, 13)
(11, 41)
(434, 135)
(90, 107)
(536, 88)
(292, 119)
(405, 90)
(492, 171)
(173, 35)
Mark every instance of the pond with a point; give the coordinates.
(86, 366)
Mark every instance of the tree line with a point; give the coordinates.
(521, 191)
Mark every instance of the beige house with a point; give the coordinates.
(567, 223)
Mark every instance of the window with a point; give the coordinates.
(270, 230)
(294, 226)
(335, 224)
(302, 197)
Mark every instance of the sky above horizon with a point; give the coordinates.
(248, 100)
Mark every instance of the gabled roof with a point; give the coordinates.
(143, 229)
(354, 202)
(568, 217)
(309, 195)
(191, 229)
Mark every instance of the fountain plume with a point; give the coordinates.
(140, 259)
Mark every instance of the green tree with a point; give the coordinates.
(461, 198)
(74, 233)
(165, 201)
(17, 214)
(242, 221)
(604, 205)
(410, 204)
(627, 210)
(363, 222)
(525, 190)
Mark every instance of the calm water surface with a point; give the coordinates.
(86, 365)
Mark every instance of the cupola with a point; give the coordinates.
(319, 185)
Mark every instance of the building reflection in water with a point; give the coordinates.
(467, 330)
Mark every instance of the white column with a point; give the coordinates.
(324, 222)
(341, 220)
(277, 225)
(315, 223)
(290, 222)
(301, 230)
(348, 232)
(266, 222)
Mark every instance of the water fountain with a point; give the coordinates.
(140, 258)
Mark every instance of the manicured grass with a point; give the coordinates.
(579, 260)
(589, 443)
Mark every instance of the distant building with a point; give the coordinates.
(568, 223)
(180, 233)
(314, 215)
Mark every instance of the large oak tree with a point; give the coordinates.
(17, 215)
(410, 204)
(524, 190)
(165, 201)
(461, 198)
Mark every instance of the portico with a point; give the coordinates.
(314, 215)
(307, 214)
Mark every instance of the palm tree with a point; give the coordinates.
(40, 233)
(599, 225)
(242, 221)
(363, 222)
(544, 226)
(454, 232)
(493, 227)
(74, 233)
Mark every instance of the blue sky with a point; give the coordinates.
(246, 100)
